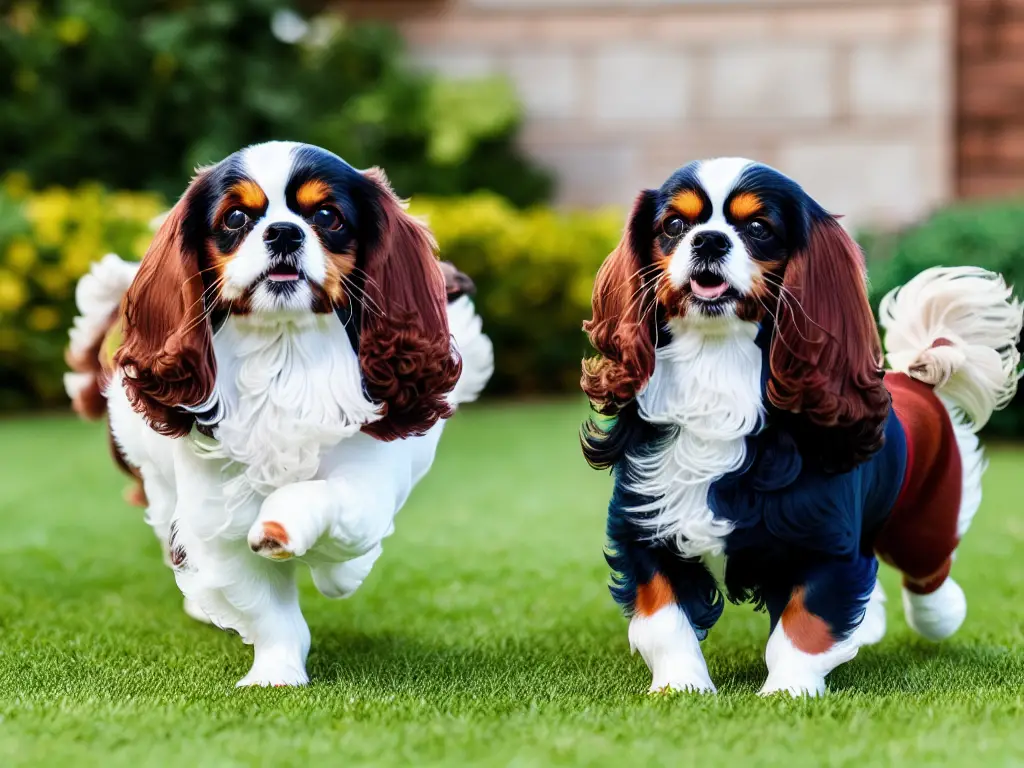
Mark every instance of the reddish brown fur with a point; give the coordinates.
(653, 596)
(405, 347)
(921, 533)
(807, 632)
(167, 351)
(619, 329)
(825, 355)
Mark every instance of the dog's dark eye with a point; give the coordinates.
(235, 219)
(758, 231)
(673, 227)
(327, 218)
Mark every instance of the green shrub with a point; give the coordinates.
(534, 270)
(47, 241)
(982, 234)
(134, 94)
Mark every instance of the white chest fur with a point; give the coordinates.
(288, 390)
(706, 384)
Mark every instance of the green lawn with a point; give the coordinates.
(485, 634)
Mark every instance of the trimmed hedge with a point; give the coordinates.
(983, 234)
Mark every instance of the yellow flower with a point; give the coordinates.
(43, 319)
(72, 30)
(21, 255)
(53, 281)
(48, 213)
(12, 291)
(78, 253)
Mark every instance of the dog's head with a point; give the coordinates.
(278, 231)
(730, 239)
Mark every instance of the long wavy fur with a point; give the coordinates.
(622, 326)
(405, 348)
(167, 351)
(826, 357)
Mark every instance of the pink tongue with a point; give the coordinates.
(708, 292)
(282, 277)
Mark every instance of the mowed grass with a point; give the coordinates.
(485, 634)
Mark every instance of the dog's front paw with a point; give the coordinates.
(271, 539)
(290, 522)
(275, 670)
(797, 686)
(682, 679)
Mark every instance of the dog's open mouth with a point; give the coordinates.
(283, 273)
(708, 286)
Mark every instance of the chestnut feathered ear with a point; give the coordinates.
(825, 356)
(405, 348)
(167, 350)
(623, 323)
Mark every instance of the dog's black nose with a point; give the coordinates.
(711, 244)
(283, 238)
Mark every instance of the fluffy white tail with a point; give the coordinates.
(475, 348)
(956, 329)
(98, 297)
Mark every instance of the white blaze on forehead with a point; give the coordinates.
(718, 178)
(270, 165)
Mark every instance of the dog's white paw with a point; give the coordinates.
(796, 685)
(270, 539)
(693, 684)
(937, 615)
(274, 669)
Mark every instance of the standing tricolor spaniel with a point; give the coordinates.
(276, 371)
(743, 409)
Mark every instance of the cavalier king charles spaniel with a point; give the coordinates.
(277, 371)
(741, 403)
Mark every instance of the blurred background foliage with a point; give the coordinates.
(984, 234)
(134, 94)
(48, 240)
(110, 104)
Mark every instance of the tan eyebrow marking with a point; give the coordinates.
(744, 205)
(688, 203)
(249, 194)
(312, 193)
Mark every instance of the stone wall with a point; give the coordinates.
(990, 119)
(851, 97)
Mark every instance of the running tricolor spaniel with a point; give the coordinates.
(276, 371)
(743, 409)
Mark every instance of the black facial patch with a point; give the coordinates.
(683, 195)
(347, 191)
(786, 209)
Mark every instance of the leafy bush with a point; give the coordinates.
(533, 268)
(982, 234)
(135, 93)
(47, 241)
(534, 272)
